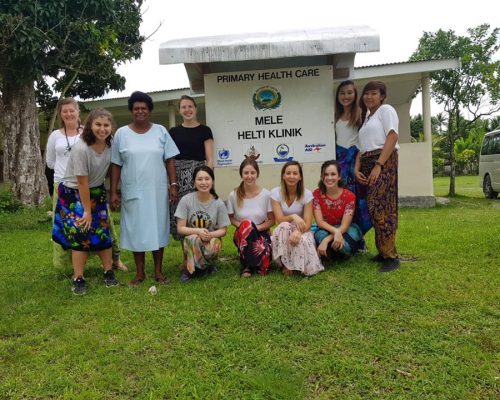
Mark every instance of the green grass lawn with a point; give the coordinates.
(469, 186)
(426, 331)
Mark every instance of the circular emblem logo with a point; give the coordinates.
(266, 98)
(223, 154)
(282, 150)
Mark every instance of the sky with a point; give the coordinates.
(399, 23)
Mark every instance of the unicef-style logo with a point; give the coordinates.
(266, 98)
(223, 154)
(283, 153)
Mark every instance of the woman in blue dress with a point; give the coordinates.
(142, 159)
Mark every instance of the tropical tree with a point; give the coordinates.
(77, 45)
(473, 88)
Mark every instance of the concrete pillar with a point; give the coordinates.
(426, 109)
(171, 115)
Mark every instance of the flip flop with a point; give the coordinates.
(134, 283)
(162, 280)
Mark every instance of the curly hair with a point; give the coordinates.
(140, 97)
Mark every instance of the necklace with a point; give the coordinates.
(68, 146)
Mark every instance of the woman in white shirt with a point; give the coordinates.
(377, 169)
(292, 241)
(250, 211)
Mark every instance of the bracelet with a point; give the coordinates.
(379, 163)
(174, 184)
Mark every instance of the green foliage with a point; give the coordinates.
(473, 87)
(8, 201)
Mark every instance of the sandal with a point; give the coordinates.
(186, 277)
(162, 280)
(119, 265)
(246, 273)
(135, 282)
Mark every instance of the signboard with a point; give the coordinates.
(272, 116)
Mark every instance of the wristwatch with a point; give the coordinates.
(379, 163)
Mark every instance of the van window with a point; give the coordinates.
(491, 145)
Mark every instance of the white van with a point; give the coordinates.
(489, 164)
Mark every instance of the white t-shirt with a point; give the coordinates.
(297, 207)
(346, 136)
(376, 127)
(254, 209)
(56, 153)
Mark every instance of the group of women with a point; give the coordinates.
(163, 180)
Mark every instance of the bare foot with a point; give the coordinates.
(119, 265)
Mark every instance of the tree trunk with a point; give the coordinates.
(451, 143)
(23, 163)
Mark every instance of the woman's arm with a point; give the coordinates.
(186, 231)
(360, 177)
(218, 233)
(280, 217)
(114, 198)
(50, 151)
(83, 189)
(172, 179)
(308, 215)
(209, 152)
(389, 145)
(236, 223)
(268, 222)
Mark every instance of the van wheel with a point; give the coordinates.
(488, 189)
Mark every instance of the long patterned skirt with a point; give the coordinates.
(353, 239)
(253, 246)
(347, 159)
(184, 170)
(69, 210)
(200, 255)
(303, 257)
(383, 202)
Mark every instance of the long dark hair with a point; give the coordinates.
(240, 190)
(88, 135)
(209, 171)
(300, 185)
(324, 166)
(372, 85)
(355, 119)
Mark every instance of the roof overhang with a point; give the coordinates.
(402, 79)
(256, 51)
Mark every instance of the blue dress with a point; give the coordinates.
(144, 223)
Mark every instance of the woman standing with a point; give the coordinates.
(81, 219)
(202, 218)
(250, 211)
(142, 157)
(195, 143)
(59, 145)
(377, 169)
(337, 237)
(347, 124)
(292, 241)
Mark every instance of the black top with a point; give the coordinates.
(191, 141)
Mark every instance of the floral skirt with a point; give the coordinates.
(200, 255)
(353, 240)
(303, 257)
(347, 159)
(253, 246)
(184, 170)
(69, 209)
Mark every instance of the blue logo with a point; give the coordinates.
(282, 152)
(223, 153)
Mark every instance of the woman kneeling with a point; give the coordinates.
(202, 218)
(337, 237)
(250, 211)
(292, 241)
